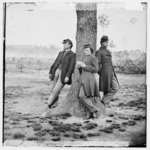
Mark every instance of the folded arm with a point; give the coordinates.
(94, 66)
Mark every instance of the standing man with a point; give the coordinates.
(108, 82)
(61, 71)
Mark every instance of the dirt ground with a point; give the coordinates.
(25, 102)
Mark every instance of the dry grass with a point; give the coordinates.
(128, 111)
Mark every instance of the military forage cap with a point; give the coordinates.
(104, 38)
(68, 41)
(89, 46)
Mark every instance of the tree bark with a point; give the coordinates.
(86, 25)
(86, 34)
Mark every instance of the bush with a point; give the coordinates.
(130, 62)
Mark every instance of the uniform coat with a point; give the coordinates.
(106, 70)
(68, 65)
(87, 77)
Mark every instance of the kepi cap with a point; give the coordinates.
(88, 46)
(104, 39)
(67, 41)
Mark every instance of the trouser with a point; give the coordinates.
(86, 101)
(114, 89)
(56, 88)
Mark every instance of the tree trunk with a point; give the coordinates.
(86, 34)
(86, 25)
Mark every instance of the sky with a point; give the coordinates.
(49, 23)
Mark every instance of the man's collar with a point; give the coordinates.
(67, 50)
(103, 47)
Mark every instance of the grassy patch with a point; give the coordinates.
(111, 115)
(76, 129)
(77, 124)
(90, 126)
(108, 130)
(115, 126)
(138, 117)
(78, 136)
(36, 127)
(114, 99)
(87, 121)
(18, 136)
(121, 105)
(64, 116)
(54, 133)
(40, 133)
(122, 129)
(53, 123)
(66, 135)
(15, 123)
(47, 132)
(62, 128)
(25, 118)
(124, 123)
(56, 139)
(28, 126)
(31, 121)
(131, 122)
(16, 118)
(108, 120)
(140, 103)
(123, 117)
(32, 138)
(93, 134)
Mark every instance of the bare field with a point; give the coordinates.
(25, 101)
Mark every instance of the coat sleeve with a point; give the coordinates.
(55, 63)
(71, 66)
(99, 58)
(94, 66)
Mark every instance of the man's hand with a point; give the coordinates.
(66, 79)
(83, 65)
(80, 64)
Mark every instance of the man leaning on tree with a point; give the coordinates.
(108, 82)
(61, 71)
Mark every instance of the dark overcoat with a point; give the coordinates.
(68, 64)
(106, 70)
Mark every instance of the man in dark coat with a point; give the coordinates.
(108, 82)
(61, 71)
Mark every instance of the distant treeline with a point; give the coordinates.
(127, 61)
(32, 51)
(133, 61)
